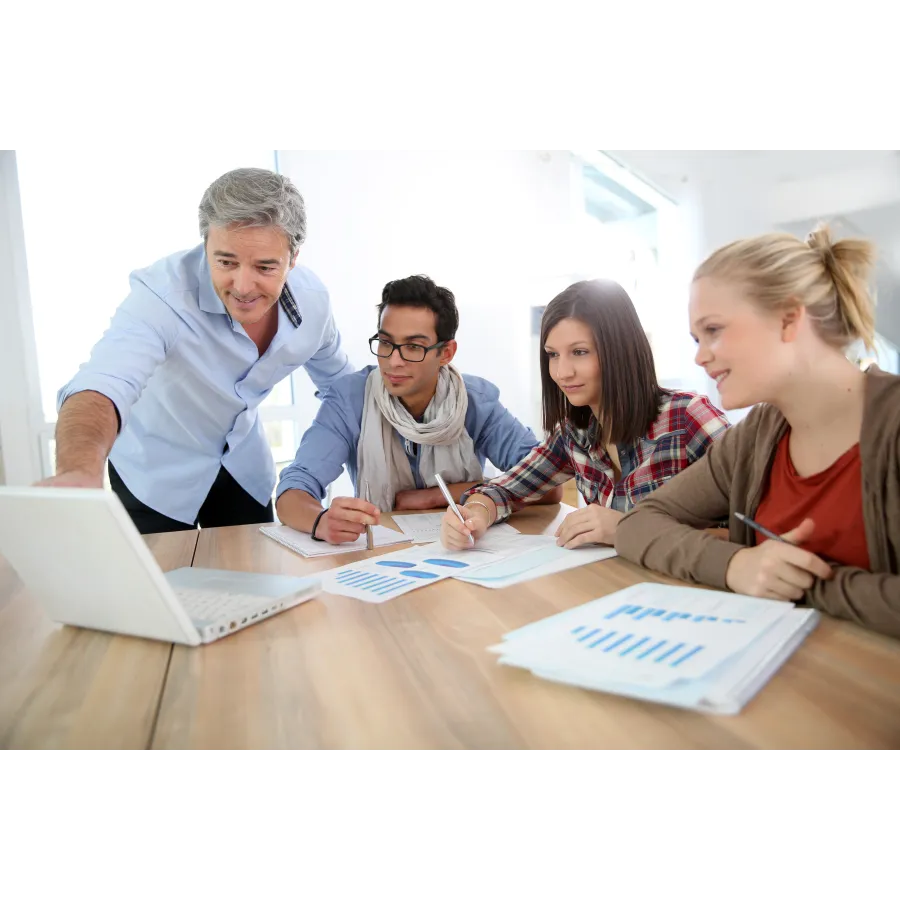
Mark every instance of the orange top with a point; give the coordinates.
(831, 498)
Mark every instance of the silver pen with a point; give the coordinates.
(370, 541)
(761, 529)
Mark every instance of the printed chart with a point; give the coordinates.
(383, 577)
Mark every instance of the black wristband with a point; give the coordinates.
(312, 534)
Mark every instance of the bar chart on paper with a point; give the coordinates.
(624, 652)
(668, 615)
(384, 577)
(668, 652)
(687, 647)
(646, 642)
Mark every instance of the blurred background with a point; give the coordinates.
(504, 230)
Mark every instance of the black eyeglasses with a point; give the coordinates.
(410, 352)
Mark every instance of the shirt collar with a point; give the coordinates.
(584, 438)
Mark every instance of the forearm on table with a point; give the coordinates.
(298, 510)
(431, 498)
(85, 432)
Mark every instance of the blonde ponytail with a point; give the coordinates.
(830, 279)
(849, 262)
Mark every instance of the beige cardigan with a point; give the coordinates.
(662, 533)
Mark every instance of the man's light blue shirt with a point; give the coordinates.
(187, 381)
(330, 442)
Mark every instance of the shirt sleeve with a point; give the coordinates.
(325, 448)
(330, 361)
(705, 424)
(872, 599)
(503, 439)
(664, 531)
(546, 466)
(142, 333)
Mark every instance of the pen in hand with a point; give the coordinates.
(452, 504)
(761, 529)
(370, 540)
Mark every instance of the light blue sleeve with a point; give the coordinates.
(142, 332)
(326, 446)
(503, 439)
(330, 361)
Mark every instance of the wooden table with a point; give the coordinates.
(409, 673)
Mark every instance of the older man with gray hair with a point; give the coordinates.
(171, 391)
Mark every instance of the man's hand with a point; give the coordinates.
(426, 498)
(594, 524)
(346, 520)
(775, 570)
(73, 479)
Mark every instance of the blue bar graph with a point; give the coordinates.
(658, 645)
(687, 655)
(602, 640)
(642, 612)
(669, 652)
(373, 583)
(617, 643)
(634, 646)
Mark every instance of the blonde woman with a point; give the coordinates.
(816, 462)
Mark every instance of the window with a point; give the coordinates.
(621, 231)
(90, 218)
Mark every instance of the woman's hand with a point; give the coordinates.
(455, 535)
(594, 524)
(775, 570)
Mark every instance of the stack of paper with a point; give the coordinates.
(705, 650)
(302, 543)
(426, 527)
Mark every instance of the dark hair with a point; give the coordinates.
(420, 290)
(629, 392)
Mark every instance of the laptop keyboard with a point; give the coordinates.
(211, 606)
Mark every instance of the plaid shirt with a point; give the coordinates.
(684, 429)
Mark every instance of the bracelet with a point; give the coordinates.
(483, 506)
(312, 534)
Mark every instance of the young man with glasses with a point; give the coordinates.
(398, 424)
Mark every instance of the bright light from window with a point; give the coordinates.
(91, 217)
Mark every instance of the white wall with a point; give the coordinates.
(20, 406)
(493, 226)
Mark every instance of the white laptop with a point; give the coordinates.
(80, 555)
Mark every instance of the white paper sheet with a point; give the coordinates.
(647, 635)
(545, 559)
(385, 577)
(302, 543)
(426, 527)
